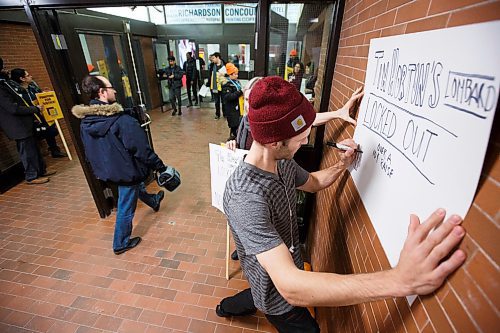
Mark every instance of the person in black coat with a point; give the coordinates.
(232, 94)
(174, 75)
(26, 88)
(118, 151)
(191, 78)
(16, 120)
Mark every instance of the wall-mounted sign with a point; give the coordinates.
(194, 14)
(241, 13)
(279, 9)
(424, 125)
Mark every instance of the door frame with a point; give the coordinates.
(66, 85)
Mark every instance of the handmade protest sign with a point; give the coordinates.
(424, 125)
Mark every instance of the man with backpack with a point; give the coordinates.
(260, 204)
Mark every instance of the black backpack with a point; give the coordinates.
(244, 137)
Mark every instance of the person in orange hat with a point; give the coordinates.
(232, 96)
(292, 61)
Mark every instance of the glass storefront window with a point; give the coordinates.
(239, 55)
(299, 33)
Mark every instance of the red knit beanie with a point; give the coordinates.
(277, 111)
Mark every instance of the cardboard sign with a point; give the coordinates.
(51, 108)
(223, 162)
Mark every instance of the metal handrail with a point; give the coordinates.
(147, 122)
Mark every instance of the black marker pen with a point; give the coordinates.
(341, 146)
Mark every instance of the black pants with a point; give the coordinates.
(175, 93)
(298, 320)
(193, 86)
(33, 163)
(217, 99)
(50, 137)
(233, 132)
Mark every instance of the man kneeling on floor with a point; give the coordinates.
(260, 204)
(118, 151)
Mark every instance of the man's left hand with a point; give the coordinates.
(351, 105)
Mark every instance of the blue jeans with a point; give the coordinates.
(33, 163)
(127, 202)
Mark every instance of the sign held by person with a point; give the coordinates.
(52, 112)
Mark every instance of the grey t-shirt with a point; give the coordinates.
(261, 210)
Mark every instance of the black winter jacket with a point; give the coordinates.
(115, 144)
(231, 95)
(16, 119)
(176, 82)
(190, 70)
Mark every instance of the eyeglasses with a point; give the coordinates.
(110, 87)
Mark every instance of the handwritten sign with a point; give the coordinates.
(51, 108)
(222, 164)
(424, 125)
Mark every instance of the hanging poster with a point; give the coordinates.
(424, 125)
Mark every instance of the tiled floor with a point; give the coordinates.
(59, 274)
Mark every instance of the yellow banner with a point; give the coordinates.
(126, 86)
(51, 108)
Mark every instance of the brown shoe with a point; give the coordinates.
(39, 180)
(49, 173)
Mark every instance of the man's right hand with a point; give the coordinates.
(231, 144)
(421, 268)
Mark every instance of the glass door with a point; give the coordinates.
(104, 56)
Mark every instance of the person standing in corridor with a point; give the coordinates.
(174, 76)
(118, 151)
(191, 78)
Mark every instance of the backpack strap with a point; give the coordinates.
(243, 133)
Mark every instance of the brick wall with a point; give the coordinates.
(342, 238)
(20, 50)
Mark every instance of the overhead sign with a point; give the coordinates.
(194, 14)
(279, 9)
(51, 108)
(424, 125)
(241, 13)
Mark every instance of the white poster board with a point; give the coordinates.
(223, 161)
(424, 125)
